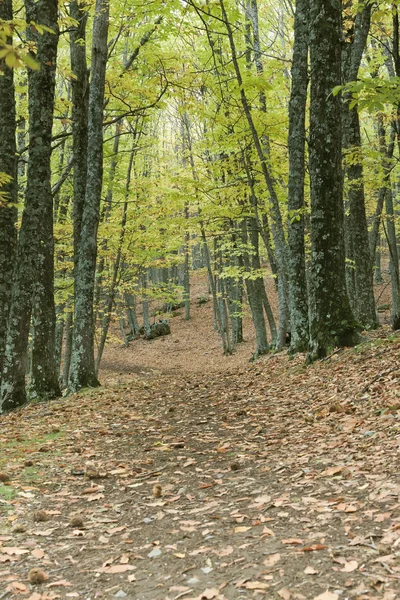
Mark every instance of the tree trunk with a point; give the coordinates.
(44, 381)
(253, 286)
(83, 372)
(331, 319)
(298, 294)
(34, 279)
(276, 217)
(393, 259)
(8, 191)
(360, 277)
(80, 98)
(186, 267)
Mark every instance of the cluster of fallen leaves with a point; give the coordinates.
(273, 480)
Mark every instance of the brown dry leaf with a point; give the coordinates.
(209, 594)
(294, 541)
(284, 593)
(313, 548)
(14, 551)
(116, 569)
(124, 560)
(95, 497)
(350, 424)
(225, 552)
(17, 587)
(242, 529)
(326, 596)
(255, 585)
(330, 471)
(271, 560)
(38, 553)
(310, 571)
(61, 583)
(260, 500)
(35, 596)
(131, 578)
(43, 532)
(350, 566)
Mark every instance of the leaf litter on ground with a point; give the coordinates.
(311, 508)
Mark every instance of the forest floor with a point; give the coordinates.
(196, 476)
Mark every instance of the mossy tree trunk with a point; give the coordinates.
(33, 287)
(9, 191)
(331, 319)
(298, 293)
(360, 278)
(83, 372)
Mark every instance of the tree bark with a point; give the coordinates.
(331, 319)
(33, 286)
(298, 293)
(9, 191)
(80, 99)
(360, 277)
(83, 372)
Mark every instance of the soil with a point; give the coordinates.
(197, 476)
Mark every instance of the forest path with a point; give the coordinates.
(277, 480)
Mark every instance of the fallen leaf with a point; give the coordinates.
(310, 571)
(116, 569)
(255, 585)
(313, 548)
(14, 551)
(17, 586)
(61, 582)
(294, 541)
(271, 560)
(350, 566)
(284, 593)
(332, 471)
(242, 529)
(326, 596)
(209, 594)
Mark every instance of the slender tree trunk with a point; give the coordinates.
(80, 100)
(298, 294)
(393, 259)
(130, 302)
(8, 191)
(67, 348)
(186, 267)
(83, 372)
(116, 270)
(360, 278)
(378, 263)
(276, 218)
(253, 286)
(331, 319)
(33, 286)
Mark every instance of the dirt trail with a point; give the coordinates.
(277, 480)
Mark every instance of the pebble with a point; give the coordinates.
(154, 553)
